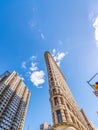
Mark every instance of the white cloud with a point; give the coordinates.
(58, 63)
(95, 25)
(33, 57)
(53, 52)
(34, 26)
(33, 21)
(91, 16)
(24, 64)
(33, 67)
(33, 73)
(21, 77)
(28, 73)
(42, 35)
(58, 57)
(37, 77)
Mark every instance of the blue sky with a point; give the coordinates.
(69, 30)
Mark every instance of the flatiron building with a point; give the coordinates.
(66, 114)
(14, 97)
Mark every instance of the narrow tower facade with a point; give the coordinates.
(66, 114)
(14, 97)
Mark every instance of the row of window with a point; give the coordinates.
(2, 88)
(10, 77)
(56, 102)
(7, 120)
(74, 112)
(77, 123)
(5, 100)
(59, 118)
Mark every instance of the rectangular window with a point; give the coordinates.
(59, 116)
(62, 102)
(52, 83)
(51, 79)
(55, 100)
(54, 91)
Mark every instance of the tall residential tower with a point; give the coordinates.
(66, 114)
(14, 97)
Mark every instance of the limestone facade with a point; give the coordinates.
(45, 126)
(66, 114)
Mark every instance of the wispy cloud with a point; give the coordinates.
(33, 24)
(54, 52)
(60, 42)
(33, 67)
(93, 11)
(58, 56)
(42, 35)
(21, 77)
(37, 77)
(95, 25)
(33, 21)
(93, 17)
(33, 57)
(24, 64)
